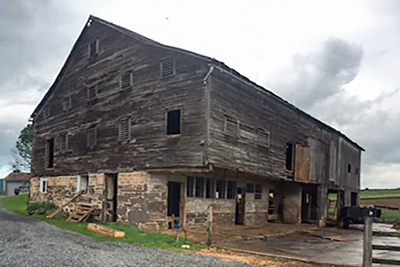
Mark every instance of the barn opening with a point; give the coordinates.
(174, 199)
(50, 153)
(174, 122)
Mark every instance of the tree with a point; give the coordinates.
(23, 150)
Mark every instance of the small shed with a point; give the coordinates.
(16, 180)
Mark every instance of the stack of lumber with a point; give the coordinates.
(106, 231)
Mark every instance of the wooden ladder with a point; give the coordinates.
(82, 212)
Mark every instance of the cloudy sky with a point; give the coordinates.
(337, 60)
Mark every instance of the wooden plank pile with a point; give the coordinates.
(82, 212)
(106, 231)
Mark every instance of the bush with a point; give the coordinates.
(41, 208)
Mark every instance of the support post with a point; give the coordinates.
(367, 255)
(209, 225)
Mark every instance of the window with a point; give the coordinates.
(220, 189)
(289, 156)
(249, 188)
(231, 127)
(82, 183)
(262, 137)
(50, 153)
(91, 93)
(199, 190)
(167, 67)
(93, 48)
(92, 137)
(64, 142)
(66, 103)
(125, 129)
(349, 168)
(230, 194)
(174, 122)
(189, 186)
(258, 194)
(126, 81)
(44, 183)
(210, 183)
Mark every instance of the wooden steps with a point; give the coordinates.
(54, 213)
(82, 212)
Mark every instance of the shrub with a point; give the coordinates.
(41, 208)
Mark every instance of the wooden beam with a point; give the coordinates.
(386, 261)
(391, 234)
(367, 251)
(390, 248)
(57, 211)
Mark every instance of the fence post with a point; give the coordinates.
(209, 225)
(367, 255)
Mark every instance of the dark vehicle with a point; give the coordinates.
(356, 215)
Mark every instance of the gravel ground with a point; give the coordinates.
(27, 242)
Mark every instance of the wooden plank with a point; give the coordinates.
(391, 234)
(54, 213)
(386, 261)
(389, 248)
(367, 246)
(104, 230)
(302, 169)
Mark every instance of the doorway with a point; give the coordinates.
(174, 203)
(111, 197)
(240, 203)
(309, 205)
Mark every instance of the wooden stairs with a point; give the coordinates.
(82, 212)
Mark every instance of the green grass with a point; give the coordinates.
(380, 194)
(134, 235)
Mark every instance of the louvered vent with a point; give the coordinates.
(124, 129)
(92, 93)
(93, 48)
(263, 138)
(231, 127)
(126, 81)
(167, 67)
(91, 137)
(66, 104)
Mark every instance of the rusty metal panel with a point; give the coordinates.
(302, 170)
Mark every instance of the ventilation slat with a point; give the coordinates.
(167, 67)
(126, 81)
(124, 129)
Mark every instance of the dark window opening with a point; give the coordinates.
(189, 186)
(258, 191)
(354, 199)
(250, 188)
(349, 168)
(126, 81)
(230, 194)
(289, 156)
(174, 122)
(50, 153)
(91, 137)
(210, 183)
(167, 67)
(220, 189)
(199, 189)
(124, 129)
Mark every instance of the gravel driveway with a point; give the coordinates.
(27, 242)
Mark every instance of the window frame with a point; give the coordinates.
(163, 61)
(128, 119)
(50, 148)
(79, 183)
(96, 50)
(121, 81)
(44, 185)
(167, 120)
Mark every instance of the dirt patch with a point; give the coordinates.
(255, 260)
(394, 203)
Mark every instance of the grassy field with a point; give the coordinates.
(134, 235)
(380, 193)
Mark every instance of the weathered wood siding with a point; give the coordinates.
(145, 103)
(254, 108)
